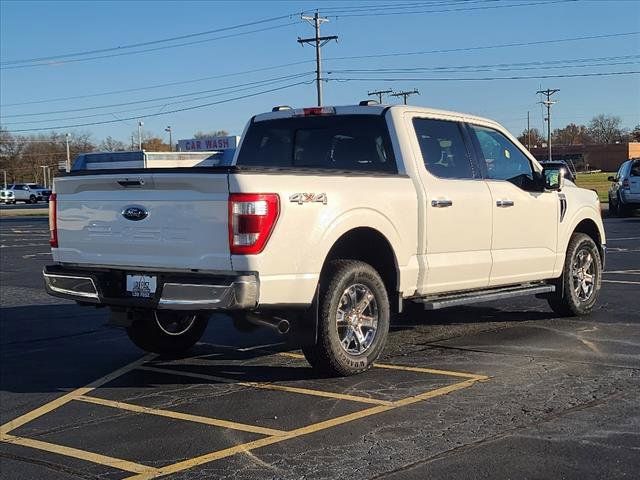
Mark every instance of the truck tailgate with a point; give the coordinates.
(185, 226)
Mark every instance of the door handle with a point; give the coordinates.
(505, 203)
(441, 203)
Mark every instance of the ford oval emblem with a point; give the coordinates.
(135, 213)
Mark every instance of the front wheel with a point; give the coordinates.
(581, 279)
(166, 332)
(353, 319)
(33, 199)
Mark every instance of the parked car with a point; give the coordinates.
(328, 221)
(41, 192)
(624, 192)
(19, 192)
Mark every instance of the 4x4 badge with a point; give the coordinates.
(301, 198)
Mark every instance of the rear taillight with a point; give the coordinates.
(53, 222)
(626, 185)
(252, 217)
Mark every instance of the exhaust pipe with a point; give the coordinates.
(281, 325)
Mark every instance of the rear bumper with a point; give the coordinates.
(175, 291)
(630, 199)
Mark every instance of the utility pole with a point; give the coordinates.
(547, 103)
(68, 164)
(379, 93)
(168, 129)
(528, 133)
(4, 173)
(140, 124)
(319, 42)
(405, 94)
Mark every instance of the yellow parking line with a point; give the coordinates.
(447, 373)
(66, 398)
(408, 369)
(298, 432)
(271, 386)
(82, 455)
(182, 416)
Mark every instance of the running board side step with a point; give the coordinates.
(477, 296)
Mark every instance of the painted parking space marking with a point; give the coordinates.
(181, 416)
(626, 282)
(268, 386)
(271, 435)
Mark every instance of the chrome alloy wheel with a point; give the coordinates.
(583, 275)
(173, 324)
(357, 319)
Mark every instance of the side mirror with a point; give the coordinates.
(553, 178)
(611, 178)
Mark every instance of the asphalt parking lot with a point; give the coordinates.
(498, 390)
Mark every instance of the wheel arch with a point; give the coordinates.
(368, 245)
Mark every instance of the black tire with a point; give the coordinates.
(622, 211)
(329, 356)
(153, 332)
(32, 199)
(567, 301)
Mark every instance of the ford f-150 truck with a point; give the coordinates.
(328, 220)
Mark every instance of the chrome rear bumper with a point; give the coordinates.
(174, 292)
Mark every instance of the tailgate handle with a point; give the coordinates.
(125, 182)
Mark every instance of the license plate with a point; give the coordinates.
(143, 286)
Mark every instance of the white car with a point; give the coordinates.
(20, 192)
(329, 220)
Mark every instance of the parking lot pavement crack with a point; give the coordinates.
(530, 356)
(505, 434)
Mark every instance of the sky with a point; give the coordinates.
(231, 70)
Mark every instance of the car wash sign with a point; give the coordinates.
(208, 144)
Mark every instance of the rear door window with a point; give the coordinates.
(635, 168)
(337, 142)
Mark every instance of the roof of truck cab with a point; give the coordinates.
(378, 109)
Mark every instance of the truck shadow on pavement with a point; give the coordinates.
(51, 348)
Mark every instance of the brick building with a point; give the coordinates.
(605, 157)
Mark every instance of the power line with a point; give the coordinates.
(478, 79)
(153, 107)
(242, 97)
(285, 65)
(145, 44)
(170, 97)
(445, 10)
(319, 42)
(155, 49)
(484, 47)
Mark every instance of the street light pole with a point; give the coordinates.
(168, 129)
(4, 172)
(68, 165)
(140, 124)
(44, 175)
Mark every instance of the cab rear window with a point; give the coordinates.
(343, 142)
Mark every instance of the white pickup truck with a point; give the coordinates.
(328, 220)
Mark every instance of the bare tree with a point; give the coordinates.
(110, 144)
(213, 133)
(572, 134)
(605, 129)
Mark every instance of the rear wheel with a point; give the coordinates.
(622, 210)
(167, 332)
(353, 319)
(581, 278)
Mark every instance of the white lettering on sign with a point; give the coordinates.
(207, 144)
